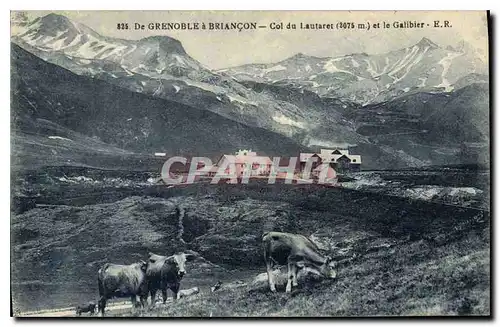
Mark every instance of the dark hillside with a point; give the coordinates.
(125, 119)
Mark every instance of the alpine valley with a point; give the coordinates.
(416, 106)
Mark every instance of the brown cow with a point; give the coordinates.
(166, 273)
(297, 251)
(122, 281)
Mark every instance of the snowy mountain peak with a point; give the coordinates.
(164, 43)
(55, 37)
(300, 55)
(54, 20)
(425, 42)
(52, 25)
(364, 78)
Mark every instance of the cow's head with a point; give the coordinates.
(179, 261)
(142, 265)
(326, 269)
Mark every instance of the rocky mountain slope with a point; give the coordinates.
(159, 66)
(420, 105)
(365, 78)
(437, 128)
(126, 120)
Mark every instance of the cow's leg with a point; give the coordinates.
(133, 298)
(294, 274)
(290, 276)
(164, 293)
(102, 305)
(269, 266)
(152, 292)
(175, 289)
(270, 275)
(144, 300)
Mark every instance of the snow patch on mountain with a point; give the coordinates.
(370, 69)
(446, 63)
(331, 68)
(377, 78)
(276, 68)
(59, 138)
(287, 121)
(236, 98)
(328, 144)
(408, 159)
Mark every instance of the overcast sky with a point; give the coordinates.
(219, 49)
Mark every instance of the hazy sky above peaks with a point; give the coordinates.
(225, 48)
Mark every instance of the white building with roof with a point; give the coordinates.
(341, 159)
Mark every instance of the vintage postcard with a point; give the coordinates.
(250, 164)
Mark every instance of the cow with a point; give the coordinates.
(89, 307)
(297, 251)
(122, 281)
(166, 273)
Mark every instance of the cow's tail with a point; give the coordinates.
(265, 248)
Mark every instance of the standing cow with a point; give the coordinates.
(122, 281)
(166, 273)
(297, 251)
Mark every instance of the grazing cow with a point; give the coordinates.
(297, 251)
(89, 307)
(122, 281)
(166, 273)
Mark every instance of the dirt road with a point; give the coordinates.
(70, 312)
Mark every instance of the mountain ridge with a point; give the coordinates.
(125, 119)
(364, 78)
(290, 106)
(178, 77)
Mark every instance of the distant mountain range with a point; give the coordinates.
(159, 66)
(364, 78)
(411, 107)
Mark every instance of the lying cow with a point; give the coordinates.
(297, 251)
(89, 307)
(166, 273)
(122, 281)
(189, 292)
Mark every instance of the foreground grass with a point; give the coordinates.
(399, 256)
(410, 279)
